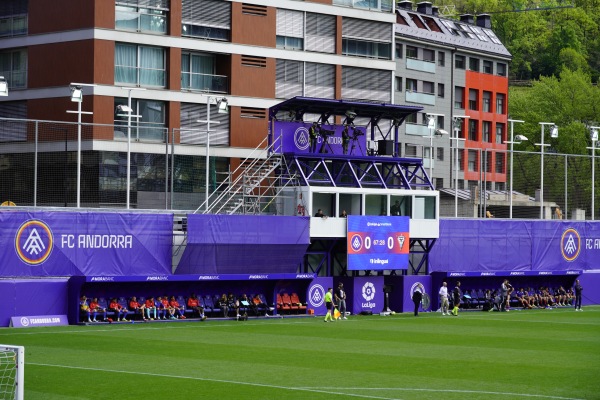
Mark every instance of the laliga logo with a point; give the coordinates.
(316, 295)
(34, 242)
(570, 244)
(301, 139)
(368, 291)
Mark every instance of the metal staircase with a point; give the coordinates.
(253, 187)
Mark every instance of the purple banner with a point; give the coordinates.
(377, 243)
(67, 244)
(315, 294)
(412, 283)
(234, 244)
(508, 245)
(368, 294)
(295, 137)
(32, 321)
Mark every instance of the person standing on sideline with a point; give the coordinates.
(416, 298)
(329, 305)
(506, 289)
(444, 299)
(578, 289)
(340, 299)
(456, 296)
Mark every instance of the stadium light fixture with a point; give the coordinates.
(553, 134)
(3, 87)
(513, 140)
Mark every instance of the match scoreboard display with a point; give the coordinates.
(378, 242)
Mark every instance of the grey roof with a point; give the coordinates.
(471, 37)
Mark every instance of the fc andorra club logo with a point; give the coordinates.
(570, 244)
(316, 295)
(301, 139)
(34, 242)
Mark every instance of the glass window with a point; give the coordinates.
(141, 19)
(376, 204)
(13, 67)
(150, 127)
(486, 131)
(428, 87)
(206, 19)
(289, 43)
(441, 90)
(459, 62)
(411, 85)
(473, 124)
(473, 95)
(499, 132)
(441, 58)
(398, 81)
(139, 65)
(198, 73)
(501, 69)
(440, 154)
(398, 50)
(472, 160)
(488, 67)
(500, 103)
(400, 205)
(428, 55)
(459, 94)
(487, 101)
(500, 163)
(362, 48)
(411, 52)
(474, 64)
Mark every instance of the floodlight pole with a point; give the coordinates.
(457, 119)
(79, 112)
(512, 138)
(129, 112)
(594, 139)
(209, 99)
(543, 124)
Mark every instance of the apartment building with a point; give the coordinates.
(167, 61)
(458, 71)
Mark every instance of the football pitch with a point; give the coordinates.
(532, 354)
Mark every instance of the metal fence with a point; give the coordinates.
(42, 165)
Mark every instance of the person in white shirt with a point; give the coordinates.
(444, 298)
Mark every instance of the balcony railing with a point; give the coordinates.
(205, 82)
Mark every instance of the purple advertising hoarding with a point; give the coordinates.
(368, 294)
(377, 242)
(295, 137)
(515, 245)
(315, 294)
(67, 244)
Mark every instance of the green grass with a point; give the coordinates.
(534, 354)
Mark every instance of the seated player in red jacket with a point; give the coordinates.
(95, 309)
(136, 307)
(150, 308)
(119, 310)
(194, 303)
(167, 307)
(178, 308)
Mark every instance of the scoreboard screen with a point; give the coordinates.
(377, 242)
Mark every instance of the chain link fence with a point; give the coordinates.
(39, 168)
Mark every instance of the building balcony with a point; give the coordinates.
(204, 82)
(420, 65)
(420, 98)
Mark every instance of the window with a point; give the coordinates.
(473, 134)
(441, 58)
(412, 52)
(500, 163)
(474, 64)
(428, 55)
(440, 154)
(439, 182)
(363, 38)
(411, 118)
(398, 50)
(194, 132)
(440, 122)
(319, 80)
(473, 95)
(487, 101)
(459, 62)
(206, 19)
(428, 87)
(319, 34)
(366, 83)
(501, 69)
(13, 18)
(150, 127)
(500, 186)
(488, 67)
(500, 103)
(289, 78)
(145, 18)
(487, 165)
(472, 160)
(13, 67)
(499, 132)
(198, 73)
(398, 84)
(140, 65)
(441, 90)
(411, 85)
(486, 128)
(410, 150)
(459, 94)
(461, 157)
(290, 29)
